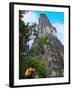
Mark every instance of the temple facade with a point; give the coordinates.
(44, 27)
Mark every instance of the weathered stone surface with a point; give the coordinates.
(54, 54)
(53, 51)
(44, 27)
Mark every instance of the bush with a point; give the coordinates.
(33, 59)
(24, 63)
(39, 48)
(41, 66)
(42, 41)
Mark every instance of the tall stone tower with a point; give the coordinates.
(53, 51)
(45, 27)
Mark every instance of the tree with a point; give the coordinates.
(25, 32)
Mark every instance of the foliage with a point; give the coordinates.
(25, 31)
(39, 48)
(41, 66)
(43, 40)
(24, 63)
(30, 57)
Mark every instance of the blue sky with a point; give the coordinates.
(56, 19)
(53, 16)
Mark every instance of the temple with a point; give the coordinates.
(44, 26)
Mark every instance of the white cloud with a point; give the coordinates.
(30, 43)
(30, 17)
(60, 31)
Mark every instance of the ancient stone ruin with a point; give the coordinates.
(44, 27)
(54, 50)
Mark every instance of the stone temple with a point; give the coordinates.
(53, 51)
(44, 26)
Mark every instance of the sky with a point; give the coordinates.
(56, 19)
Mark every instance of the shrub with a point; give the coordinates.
(33, 59)
(41, 66)
(24, 63)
